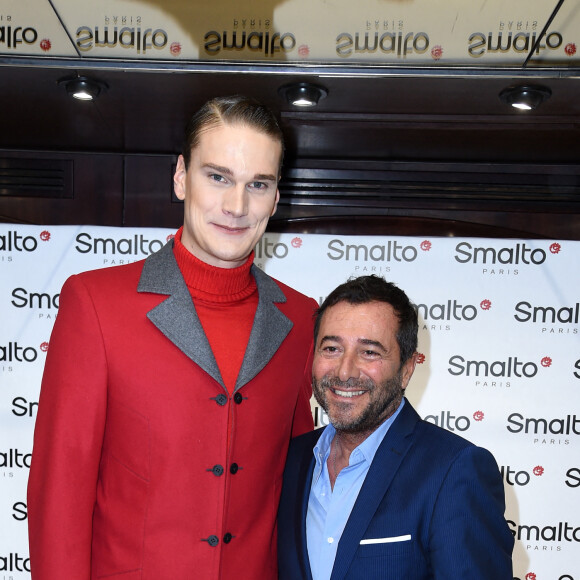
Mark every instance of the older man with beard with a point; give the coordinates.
(380, 493)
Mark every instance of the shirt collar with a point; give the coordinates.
(366, 450)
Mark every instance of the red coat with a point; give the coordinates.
(144, 467)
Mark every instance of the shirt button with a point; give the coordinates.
(227, 538)
(213, 541)
(217, 470)
(330, 540)
(234, 468)
(221, 399)
(238, 398)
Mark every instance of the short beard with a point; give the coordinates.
(378, 411)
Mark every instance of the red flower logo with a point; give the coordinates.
(303, 50)
(45, 44)
(436, 52)
(45, 236)
(426, 246)
(420, 358)
(296, 242)
(555, 248)
(169, 237)
(485, 304)
(44, 346)
(538, 470)
(175, 48)
(530, 576)
(546, 362)
(478, 415)
(570, 49)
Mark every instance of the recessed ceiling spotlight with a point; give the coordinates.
(303, 94)
(83, 88)
(525, 97)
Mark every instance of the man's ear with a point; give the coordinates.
(275, 202)
(179, 178)
(408, 369)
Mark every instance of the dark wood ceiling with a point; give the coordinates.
(418, 146)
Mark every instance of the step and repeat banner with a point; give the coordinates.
(499, 356)
(400, 32)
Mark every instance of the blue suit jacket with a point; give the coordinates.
(424, 482)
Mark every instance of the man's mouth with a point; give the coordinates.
(348, 394)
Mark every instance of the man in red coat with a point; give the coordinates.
(173, 386)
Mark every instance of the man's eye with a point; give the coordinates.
(217, 177)
(258, 185)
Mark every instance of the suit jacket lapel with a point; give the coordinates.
(270, 328)
(176, 317)
(305, 473)
(387, 460)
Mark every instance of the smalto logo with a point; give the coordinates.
(512, 367)
(12, 241)
(20, 511)
(267, 249)
(519, 43)
(14, 352)
(15, 459)
(399, 44)
(15, 36)
(526, 312)
(573, 477)
(452, 310)
(544, 429)
(22, 407)
(14, 562)
(138, 245)
(127, 37)
(392, 251)
(447, 420)
(262, 43)
(23, 298)
(520, 477)
(518, 254)
(559, 532)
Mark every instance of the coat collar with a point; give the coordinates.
(177, 318)
(382, 471)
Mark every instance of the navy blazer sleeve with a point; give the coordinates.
(437, 499)
(468, 535)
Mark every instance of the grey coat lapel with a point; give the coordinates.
(269, 330)
(177, 318)
(383, 469)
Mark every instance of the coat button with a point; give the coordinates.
(213, 541)
(234, 468)
(238, 398)
(221, 399)
(217, 470)
(227, 538)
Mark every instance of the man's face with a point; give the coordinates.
(357, 378)
(230, 191)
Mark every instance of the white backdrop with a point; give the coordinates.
(499, 339)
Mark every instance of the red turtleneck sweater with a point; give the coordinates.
(225, 300)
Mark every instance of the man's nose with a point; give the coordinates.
(235, 201)
(348, 367)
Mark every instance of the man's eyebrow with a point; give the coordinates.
(218, 168)
(265, 177)
(375, 343)
(230, 173)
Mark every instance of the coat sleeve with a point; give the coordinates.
(303, 421)
(469, 537)
(67, 441)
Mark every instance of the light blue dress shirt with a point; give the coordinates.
(328, 509)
